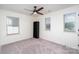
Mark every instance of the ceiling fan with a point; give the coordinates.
(36, 11)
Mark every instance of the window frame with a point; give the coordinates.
(74, 22)
(17, 26)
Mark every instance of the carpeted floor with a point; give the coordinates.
(36, 46)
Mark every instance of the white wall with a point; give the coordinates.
(57, 34)
(25, 27)
(0, 30)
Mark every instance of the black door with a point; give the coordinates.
(36, 29)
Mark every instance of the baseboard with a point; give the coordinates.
(59, 44)
(16, 41)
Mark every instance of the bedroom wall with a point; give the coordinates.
(57, 34)
(0, 35)
(25, 27)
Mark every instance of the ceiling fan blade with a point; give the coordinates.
(40, 13)
(40, 9)
(29, 10)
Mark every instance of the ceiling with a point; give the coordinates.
(47, 7)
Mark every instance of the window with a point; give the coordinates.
(69, 22)
(12, 25)
(47, 23)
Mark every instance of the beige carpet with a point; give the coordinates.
(36, 46)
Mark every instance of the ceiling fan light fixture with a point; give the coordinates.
(35, 13)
